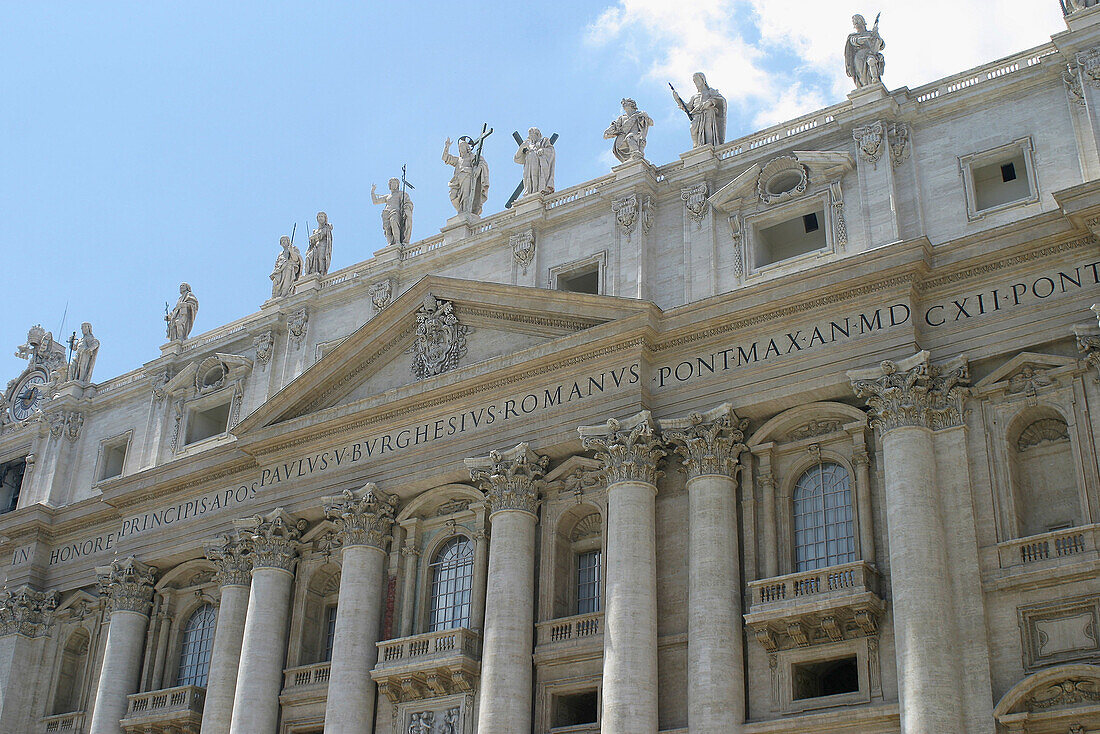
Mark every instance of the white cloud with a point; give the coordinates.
(746, 46)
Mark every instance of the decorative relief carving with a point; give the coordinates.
(127, 584)
(914, 392)
(589, 526)
(440, 340)
(233, 558)
(296, 324)
(708, 443)
(582, 479)
(814, 428)
(695, 199)
(1029, 381)
(1058, 632)
(264, 344)
(898, 137)
(629, 450)
(1089, 63)
(421, 722)
(840, 227)
(1064, 693)
(362, 517)
(66, 423)
(523, 248)
(646, 214)
(450, 507)
(626, 213)
(511, 480)
(869, 141)
(1042, 431)
(1071, 77)
(738, 257)
(27, 612)
(1089, 346)
(381, 294)
(273, 538)
(782, 178)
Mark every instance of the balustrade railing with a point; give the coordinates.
(570, 628)
(70, 723)
(428, 646)
(849, 577)
(1057, 544)
(181, 699)
(306, 675)
(994, 70)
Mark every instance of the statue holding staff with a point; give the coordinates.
(863, 59)
(181, 319)
(85, 350)
(288, 267)
(707, 112)
(319, 252)
(397, 214)
(470, 183)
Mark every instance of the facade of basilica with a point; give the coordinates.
(797, 433)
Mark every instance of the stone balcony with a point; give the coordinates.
(579, 636)
(70, 723)
(576, 729)
(429, 664)
(306, 683)
(1048, 558)
(168, 711)
(826, 605)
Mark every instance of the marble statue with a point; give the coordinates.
(288, 268)
(397, 215)
(629, 131)
(470, 184)
(84, 353)
(182, 318)
(863, 59)
(707, 112)
(319, 252)
(537, 156)
(450, 721)
(1072, 6)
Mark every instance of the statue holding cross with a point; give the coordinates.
(397, 214)
(470, 183)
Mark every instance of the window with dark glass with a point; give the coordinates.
(588, 582)
(198, 640)
(452, 576)
(823, 532)
(330, 632)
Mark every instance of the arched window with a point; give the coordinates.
(198, 639)
(70, 679)
(452, 574)
(823, 518)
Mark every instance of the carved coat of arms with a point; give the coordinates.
(440, 339)
(626, 212)
(695, 199)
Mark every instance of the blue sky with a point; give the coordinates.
(147, 143)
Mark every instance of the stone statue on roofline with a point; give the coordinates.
(469, 185)
(182, 318)
(85, 350)
(397, 214)
(863, 59)
(537, 156)
(287, 270)
(629, 131)
(319, 252)
(706, 111)
(1072, 6)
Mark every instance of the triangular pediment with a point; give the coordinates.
(493, 320)
(1038, 369)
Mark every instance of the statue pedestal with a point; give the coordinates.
(172, 349)
(1082, 19)
(388, 254)
(637, 169)
(458, 227)
(699, 156)
(529, 204)
(868, 95)
(308, 283)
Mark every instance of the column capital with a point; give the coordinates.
(708, 443)
(26, 611)
(362, 517)
(511, 480)
(629, 449)
(273, 538)
(233, 558)
(128, 585)
(914, 392)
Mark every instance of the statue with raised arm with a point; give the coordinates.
(319, 252)
(288, 267)
(470, 183)
(707, 112)
(85, 350)
(182, 318)
(537, 155)
(863, 59)
(397, 215)
(629, 131)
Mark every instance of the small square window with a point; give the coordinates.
(824, 678)
(208, 422)
(574, 709)
(791, 238)
(809, 222)
(585, 281)
(113, 459)
(999, 178)
(1008, 172)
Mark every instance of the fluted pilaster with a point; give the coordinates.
(709, 446)
(511, 481)
(364, 521)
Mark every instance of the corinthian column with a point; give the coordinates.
(363, 521)
(710, 445)
(128, 586)
(511, 481)
(908, 400)
(234, 564)
(274, 542)
(629, 452)
(25, 618)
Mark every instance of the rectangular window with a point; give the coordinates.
(824, 678)
(113, 459)
(588, 582)
(574, 709)
(203, 424)
(1001, 182)
(330, 632)
(11, 482)
(794, 237)
(586, 281)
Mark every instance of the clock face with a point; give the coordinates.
(27, 397)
